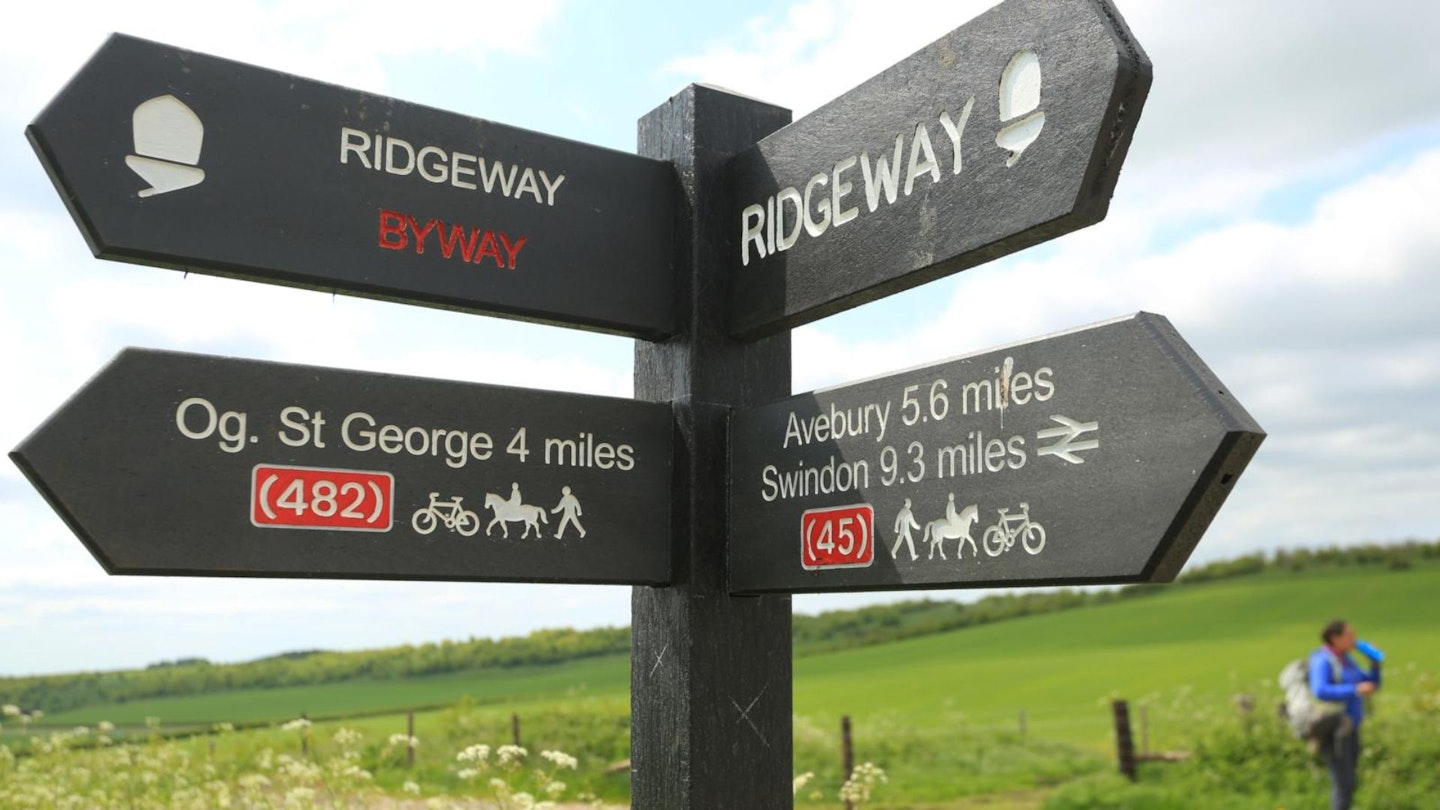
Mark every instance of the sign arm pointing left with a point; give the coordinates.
(176, 159)
(183, 464)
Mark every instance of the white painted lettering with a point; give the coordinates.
(390, 165)
(784, 240)
(353, 140)
(956, 131)
(838, 189)
(459, 168)
(752, 230)
(921, 144)
(885, 178)
(1042, 380)
(434, 163)
(528, 185)
(551, 188)
(497, 175)
(813, 227)
(436, 171)
(770, 224)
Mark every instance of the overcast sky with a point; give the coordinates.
(1278, 205)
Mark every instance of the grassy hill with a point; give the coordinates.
(940, 705)
(1213, 638)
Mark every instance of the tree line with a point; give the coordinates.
(825, 632)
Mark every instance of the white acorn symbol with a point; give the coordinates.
(1019, 95)
(168, 136)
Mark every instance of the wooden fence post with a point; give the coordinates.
(410, 739)
(1124, 744)
(847, 755)
(515, 729)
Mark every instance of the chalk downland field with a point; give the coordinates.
(1008, 710)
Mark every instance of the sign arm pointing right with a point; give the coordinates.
(1243, 436)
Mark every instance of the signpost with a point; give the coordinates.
(176, 159)
(1093, 456)
(1006, 132)
(170, 463)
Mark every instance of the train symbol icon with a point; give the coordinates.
(168, 136)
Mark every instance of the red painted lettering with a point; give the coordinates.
(457, 236)
(512, 250)
(489, 248)
(421, 233)
(468, 243)
(392, 230)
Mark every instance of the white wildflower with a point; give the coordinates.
(403, 741)
(561, 759)
(510, 753)
(411, 787)
(475, 753)
(862, 782)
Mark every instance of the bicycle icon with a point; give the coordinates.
(445, 513)
(1001, 536)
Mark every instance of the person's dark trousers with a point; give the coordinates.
(1342, 757)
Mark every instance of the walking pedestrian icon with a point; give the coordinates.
(569, 506)
(168, 136)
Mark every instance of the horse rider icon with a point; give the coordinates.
(569, 507)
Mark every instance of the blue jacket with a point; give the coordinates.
(1325, 684)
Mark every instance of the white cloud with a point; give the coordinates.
(1277, 206)
(1245, 96)
(347, 43)
(1324, 330)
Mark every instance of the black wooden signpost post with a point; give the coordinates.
(1097, 455)
(710, 673)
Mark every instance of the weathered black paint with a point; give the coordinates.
(147, 500)
(710, 673)
(277, 205)
(1095, 79)
(1172, 442)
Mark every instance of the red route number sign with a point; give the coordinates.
(837, 537)
(315, 498)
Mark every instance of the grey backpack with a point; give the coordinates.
(1310, 717)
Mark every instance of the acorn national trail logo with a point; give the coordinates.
(168, 136)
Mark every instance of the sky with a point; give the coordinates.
(1277, 205)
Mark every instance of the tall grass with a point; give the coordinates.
(1251, 760)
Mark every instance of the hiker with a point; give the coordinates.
(1334, 676)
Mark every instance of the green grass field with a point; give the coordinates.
(941, 713)
(607, 675)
